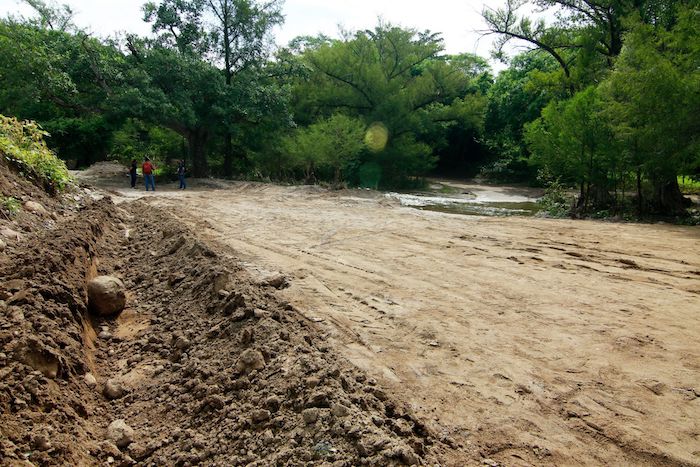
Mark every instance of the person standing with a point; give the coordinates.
(132, 173)
(148, 170)
(181, 174)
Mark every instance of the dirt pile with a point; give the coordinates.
(224, 373)
(203, 367)
(45, 339)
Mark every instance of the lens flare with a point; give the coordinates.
(376, 137)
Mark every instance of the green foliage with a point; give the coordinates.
(22, 144)
(554, 201)
(689, 185)
(517, 97)
(10, 205)
(331, 145)
(136, 140)
(397, 78)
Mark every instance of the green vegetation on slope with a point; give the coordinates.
(22, 145)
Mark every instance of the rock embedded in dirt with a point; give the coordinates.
(3, 245)
(90, 380)
(113, 389)
(250, 360)
(310, 415)
(121, 433)
(259, 416)
(106, 295)
(41, 443)
(36, 208)
(277, 281)
(339, 410)
(273, 403)
(10, 234)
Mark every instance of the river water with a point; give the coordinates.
(472, 198)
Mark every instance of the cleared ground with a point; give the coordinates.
(526, 341)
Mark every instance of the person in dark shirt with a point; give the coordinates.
(132, 173)
(181, 174)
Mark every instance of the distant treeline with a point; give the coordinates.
(606, 99)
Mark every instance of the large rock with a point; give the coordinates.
(121, 433)
(36, 208)
(10, 234)
(106, 295)
(113, 389)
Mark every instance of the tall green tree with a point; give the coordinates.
(654, 103)
(235, 37)
(63, 80)
(572, 141)
(399, 78)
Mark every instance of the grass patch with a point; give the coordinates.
(22, 144)
(688, 185)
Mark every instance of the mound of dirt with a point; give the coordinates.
(105, 169)
(203, 366)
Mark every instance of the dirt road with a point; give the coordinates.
(522, 341)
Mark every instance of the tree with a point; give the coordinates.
(178, 91)
(232, 34)
(62, 80)
(397, 77)
(571, 141)
(517, 97)
(653, 101)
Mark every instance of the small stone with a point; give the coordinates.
(260, 314)
(339, 410)
(310, 415)
(224, 293)
(113, 389)
(3, 245)
(260, 415)
(90, 380)
(106, 335)
(106, 295)
(250, 360)
(312, 382)
(121, 433)
(273, 403)
(181, 343)
(41, 443)
(268, 437)
(277, 281)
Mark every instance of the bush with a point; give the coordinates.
(9, 205)
(554, 201)
(22, 144)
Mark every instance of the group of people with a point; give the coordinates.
(148, 171)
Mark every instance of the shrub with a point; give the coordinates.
(22, 144)
(9, 205)
(553, 202)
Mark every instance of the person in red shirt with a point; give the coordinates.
(148, 170)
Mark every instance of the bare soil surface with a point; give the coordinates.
(518, 341)
(206, 365)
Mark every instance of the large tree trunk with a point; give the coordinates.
(668, 199)
(197, 141)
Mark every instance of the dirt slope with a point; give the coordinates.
(210, 367)
(522, 341)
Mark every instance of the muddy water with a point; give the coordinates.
(472, 199)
